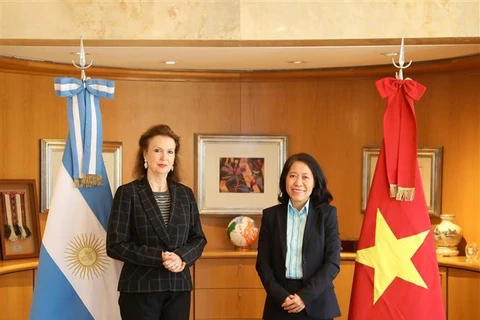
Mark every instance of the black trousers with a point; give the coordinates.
(168, 305)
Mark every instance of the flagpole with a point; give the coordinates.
(75, 276)
(401, 61)
(396, 270)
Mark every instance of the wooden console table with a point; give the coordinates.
(227, 286)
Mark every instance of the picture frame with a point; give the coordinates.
(20, 230)
(238, 174)
(51, 158)
(430, 161)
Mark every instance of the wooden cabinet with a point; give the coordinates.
(463, 294)
(227, 288)
(443, 283)
(16, 288)
(343, 287)
(16, 293)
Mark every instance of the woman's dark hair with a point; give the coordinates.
(139, 170)
(320, 193)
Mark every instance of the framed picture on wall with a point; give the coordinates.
(51, 159)
(20, 231)
(430, 165)
(238, 174)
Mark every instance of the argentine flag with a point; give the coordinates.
(76, 279)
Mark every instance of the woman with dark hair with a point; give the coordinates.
(155, 229)
(299, 246)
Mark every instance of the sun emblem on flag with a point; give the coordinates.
(85, 256)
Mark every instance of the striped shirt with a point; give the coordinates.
(164, 202)
(296, 221)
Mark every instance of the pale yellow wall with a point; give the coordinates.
(238, 19)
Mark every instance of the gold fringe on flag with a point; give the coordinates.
(89, 181)
(393, 190)
(405, 194)
(401, 193)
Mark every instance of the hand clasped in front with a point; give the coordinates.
(172, 262)
(293, 304)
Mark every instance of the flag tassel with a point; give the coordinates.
(393, 190)
(89, 181)
(405, 194)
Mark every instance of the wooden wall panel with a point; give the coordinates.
(29, 111)
(330, 119)
(333, 119)
(328, 116)
(449, 115)
(188, 107)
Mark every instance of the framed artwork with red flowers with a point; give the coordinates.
(238, 174)
(20, 232)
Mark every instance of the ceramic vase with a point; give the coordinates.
(447, 236)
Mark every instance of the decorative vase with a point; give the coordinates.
(447, 236)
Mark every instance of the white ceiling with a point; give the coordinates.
(239, 58)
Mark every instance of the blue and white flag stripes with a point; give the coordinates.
(76, 279)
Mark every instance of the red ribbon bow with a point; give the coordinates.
(400, 134)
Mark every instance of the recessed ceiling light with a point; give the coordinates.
(296, 62)
(170, 62)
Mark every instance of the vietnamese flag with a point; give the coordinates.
(396, 271)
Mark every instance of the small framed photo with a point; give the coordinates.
(51, 160)
(430, 165)
(238, 174)
(20, 231)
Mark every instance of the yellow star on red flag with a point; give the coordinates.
(390, 257)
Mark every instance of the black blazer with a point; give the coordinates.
(137, 235)
(321, 260)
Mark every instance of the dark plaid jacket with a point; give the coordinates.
(137, 235)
